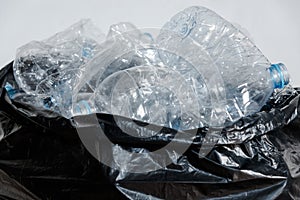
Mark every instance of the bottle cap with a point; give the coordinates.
(279, 75)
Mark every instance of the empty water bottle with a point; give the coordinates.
(50, 69)
(246, 78)
(125, 47)
(150, 94)
(126, 59)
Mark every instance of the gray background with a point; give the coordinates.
(274, 25)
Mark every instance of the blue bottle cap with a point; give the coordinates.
(279, 75)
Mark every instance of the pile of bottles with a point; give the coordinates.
(198, 70)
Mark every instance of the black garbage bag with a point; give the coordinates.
(43, 155)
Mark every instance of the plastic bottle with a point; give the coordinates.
(49, 69)
(130, 51)
(150, 94)
(246, 79)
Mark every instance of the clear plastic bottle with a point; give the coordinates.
(150, 94)
(125, 47)
(49, 69)
(134, 52)
(246, 77)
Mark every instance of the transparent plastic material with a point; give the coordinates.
(50, 69)
(125, 46)
(130, 47)
(248, 77)
(258, 156)
(199, 71)
(150, 94)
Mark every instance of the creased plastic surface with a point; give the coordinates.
(199, 71)
(47, 71)
(41, 157)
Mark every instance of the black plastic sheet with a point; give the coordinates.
(42, 156)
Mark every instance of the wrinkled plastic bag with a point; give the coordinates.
(43, 157)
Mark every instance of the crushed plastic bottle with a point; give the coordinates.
(125, 47)
(50, 69)
(129, 52)
(150, 94)
(247, 77)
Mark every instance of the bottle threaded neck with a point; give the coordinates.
(279, 75)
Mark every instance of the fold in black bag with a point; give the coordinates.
(42, 157)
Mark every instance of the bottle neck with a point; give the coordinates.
(279, 75)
